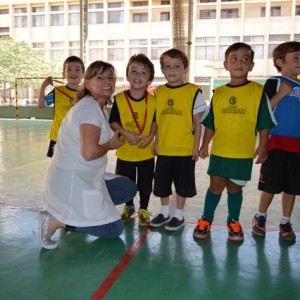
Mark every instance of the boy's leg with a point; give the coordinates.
(204, 224)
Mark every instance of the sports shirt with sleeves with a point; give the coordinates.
(174, 117)
(286, 135)
(145, 116)
(235, 115)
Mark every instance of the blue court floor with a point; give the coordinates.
(143, 263)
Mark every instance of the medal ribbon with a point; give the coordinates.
(134, 116)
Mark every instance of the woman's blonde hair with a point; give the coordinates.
(95, 68)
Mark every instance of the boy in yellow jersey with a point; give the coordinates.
(178, 112)
(238, 110)
(133, 115)
(61, 96)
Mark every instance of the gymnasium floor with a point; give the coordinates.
(144, 263)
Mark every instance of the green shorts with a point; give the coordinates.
(233, 168)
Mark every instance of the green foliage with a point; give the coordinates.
(19, 60)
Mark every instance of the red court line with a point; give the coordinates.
(120, 267)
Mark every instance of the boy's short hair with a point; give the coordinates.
(237, 46)
(144, 60)
(174, 53)
(71, 59)
(281, 50)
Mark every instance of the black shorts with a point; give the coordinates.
(179, 170)
(280, 173)
(51, 148)
(140, 172)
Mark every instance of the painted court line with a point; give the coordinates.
(120, 267)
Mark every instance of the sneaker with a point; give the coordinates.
(174, 224)
(202, 229)
(235, 231)
(144, 217)
(286, 232)
(259, 225)
(159, 220)
(127, 213)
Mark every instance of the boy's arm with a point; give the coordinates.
(208, 135)
(147, 139)
(197, 135)
(284, 89)
(41, 97)
(261, 153)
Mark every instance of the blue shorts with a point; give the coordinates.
(179, 170)
(280, 173)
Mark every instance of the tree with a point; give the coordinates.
(19, 60)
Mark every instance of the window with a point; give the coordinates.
(4, 29)
(258, 51)
(95, 54)
(4, 32)
(206, 40)
(38, 20)
(253, 39)
(207, 1)
(140, 3)
(116, 17)
(140, 17)
(40, 9)
(279, 37)
(229, 13)
(21, 21)
(38, 45)
(57, 55)
(21, 10)
(204, 52)
(57, 20)
(4, 11)
(229, 39)
(165, 16)
(138, 50)
(158, 46)
(115, 54)
(207, 14)
(74, 19)
(115, 4)
(74, 7)
(275, 11)
(297, 12)
(96, 17)
(165, 2)
(56, 8)
(96, 6)
(271, 49)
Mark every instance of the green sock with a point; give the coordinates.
(234, 203)
(210, 205)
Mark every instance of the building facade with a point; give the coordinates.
(117, 29)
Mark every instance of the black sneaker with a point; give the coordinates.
(159, 220)
(259, 225)
(174, 224)
(286, 232)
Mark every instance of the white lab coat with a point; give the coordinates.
(75, 192)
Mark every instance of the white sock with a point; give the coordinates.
(178, 214)
(284, 220)
(165, 209)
